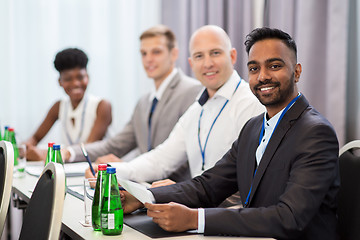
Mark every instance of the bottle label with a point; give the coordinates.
(104, 221)
(111, 221)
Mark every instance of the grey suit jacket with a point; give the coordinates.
(294, 188)
(178, 96)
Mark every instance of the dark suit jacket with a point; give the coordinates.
(294, 189)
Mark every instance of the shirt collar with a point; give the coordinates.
(271, 123)
(160, 91)
(226, 91)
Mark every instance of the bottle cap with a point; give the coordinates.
(111, 170)
(51, 144)
(102, 167)
(56, 147)
(11, 129)
(6, 127)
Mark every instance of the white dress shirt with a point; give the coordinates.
(182, 144)
(160, 91)
(183, 141)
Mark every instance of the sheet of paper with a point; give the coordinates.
(76, 168)
(71, 169)
(137, 190)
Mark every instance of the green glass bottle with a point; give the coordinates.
(12, 139)
(49, 153)
(6, 134)
(98, 195)
(56, 155)
(111, 211)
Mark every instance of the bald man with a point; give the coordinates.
(208, 128)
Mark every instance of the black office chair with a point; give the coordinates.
(42, 219)
(6, 176)
(349, 194)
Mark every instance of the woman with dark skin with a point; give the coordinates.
(71, 65)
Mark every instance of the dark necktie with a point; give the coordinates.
(153, 106)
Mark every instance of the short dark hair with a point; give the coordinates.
(263, 33)
(160, 30)
(70, 58)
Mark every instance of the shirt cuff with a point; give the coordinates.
(151, 196)
(72, 154)
(201, 220)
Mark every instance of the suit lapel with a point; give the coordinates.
(251, 154)
(292, 115)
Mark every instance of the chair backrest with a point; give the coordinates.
(6, 176)
(43, 215)
(349, 193)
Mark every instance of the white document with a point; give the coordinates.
(137, 190)
(71, 169)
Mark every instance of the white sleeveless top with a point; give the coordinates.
(84, 118)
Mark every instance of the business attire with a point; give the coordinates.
(214, 123)
(76, 124)
(178, 94)
(293, 189)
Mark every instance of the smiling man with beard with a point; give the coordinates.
(284, 162)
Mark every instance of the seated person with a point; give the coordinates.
(150, 123)
(284, 162)
(83, 117)
(208, 128)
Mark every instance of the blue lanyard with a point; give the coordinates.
(212, 125)
(281, 116)
(81, 127)
(262, 135)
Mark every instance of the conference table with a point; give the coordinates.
(73, 213)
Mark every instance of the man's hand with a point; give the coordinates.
(88, 173)
(173, 217)
(107, 158)
(162, 183)
(35, 154)
(129, 202)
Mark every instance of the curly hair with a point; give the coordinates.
(70, 58)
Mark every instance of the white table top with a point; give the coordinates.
(74, 212)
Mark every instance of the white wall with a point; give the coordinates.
(32, 32)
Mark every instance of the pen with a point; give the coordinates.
(87, 158)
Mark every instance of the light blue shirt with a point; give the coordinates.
(269, 129)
